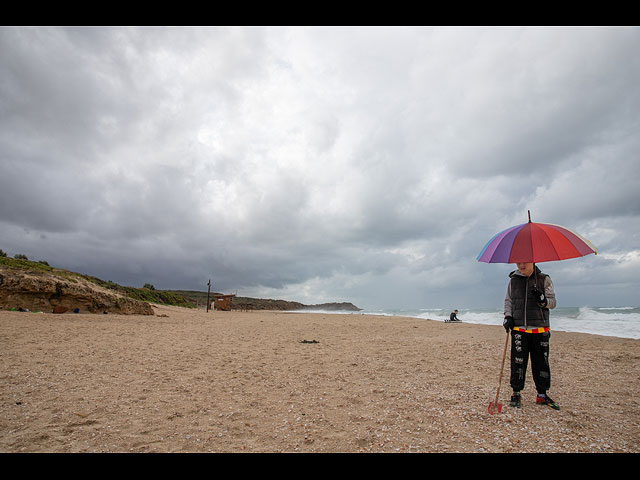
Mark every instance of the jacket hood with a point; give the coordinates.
(536, 271)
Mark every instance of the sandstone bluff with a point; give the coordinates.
(38, 287)
(47, 292)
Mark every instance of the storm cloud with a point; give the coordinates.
(319, 164)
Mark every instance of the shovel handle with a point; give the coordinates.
(504, 354)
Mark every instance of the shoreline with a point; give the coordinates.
(276, 381)
(558, 323)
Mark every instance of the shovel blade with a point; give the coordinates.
(495, 408)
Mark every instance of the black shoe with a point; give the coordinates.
(515, 400)
(546, 400)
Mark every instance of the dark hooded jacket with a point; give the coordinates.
(520, 302)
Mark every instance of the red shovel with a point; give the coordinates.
(495, 407)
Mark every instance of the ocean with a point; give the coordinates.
(621, 322)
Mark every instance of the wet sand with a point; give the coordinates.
(190, 381)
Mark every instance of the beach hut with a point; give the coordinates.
(223, 302)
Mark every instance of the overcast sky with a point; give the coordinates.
(368, 165)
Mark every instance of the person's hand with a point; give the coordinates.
(508, 323)
(540, 297)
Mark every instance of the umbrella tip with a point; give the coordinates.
(529, 213)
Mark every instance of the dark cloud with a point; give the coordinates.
(318, 164)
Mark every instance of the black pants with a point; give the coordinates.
(535, 345)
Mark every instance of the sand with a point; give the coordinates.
(190, 381)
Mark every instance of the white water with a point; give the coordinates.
(621, 322)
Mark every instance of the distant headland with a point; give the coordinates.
(26, 285)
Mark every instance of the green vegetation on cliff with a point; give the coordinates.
(143, 294)
(180, 298)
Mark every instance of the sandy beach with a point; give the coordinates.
(190, 381)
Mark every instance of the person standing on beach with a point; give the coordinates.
(530, 296)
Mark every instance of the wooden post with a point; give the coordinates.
(208, 291)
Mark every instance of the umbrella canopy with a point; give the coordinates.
(535, 242)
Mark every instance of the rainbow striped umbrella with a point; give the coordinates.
(535, 242)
